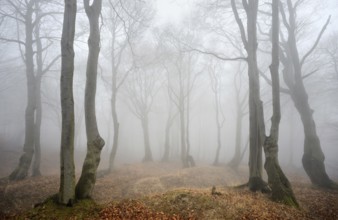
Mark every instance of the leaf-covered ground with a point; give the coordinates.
(164, 191)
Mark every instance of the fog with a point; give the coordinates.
(159, 47)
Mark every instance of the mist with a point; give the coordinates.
(174, 83)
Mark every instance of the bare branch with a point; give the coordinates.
(316, 42)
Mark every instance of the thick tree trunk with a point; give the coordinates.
(94, 141)
(148, 155)
(255, 104)
(313, 157)
(67, 175)
(21, 171)
(116, 131)
(280, 186)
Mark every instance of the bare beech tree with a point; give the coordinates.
(241, 111)
(216, 86)
(280, 186)
(67, 175)
(29, 15)
(126, 20)
(142, 88)
(95, 143)
(313, 157)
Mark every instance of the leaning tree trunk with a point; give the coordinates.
(67, 175)
(21, 171)
(145, 127)
(94, 141)
(313, 157)
(280, 186)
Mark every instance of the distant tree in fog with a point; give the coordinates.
(67, 175)
(216, 86)
(142, 86)
(30, 15)
(95, 143)
(125, 20)
(241, 111)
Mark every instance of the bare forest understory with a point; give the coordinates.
(165, 191)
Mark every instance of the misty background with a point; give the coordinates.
(161, 33)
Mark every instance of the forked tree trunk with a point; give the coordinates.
(67, 174)
(95, 143)
(280, 186)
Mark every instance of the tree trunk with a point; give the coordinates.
(165, 157)
(235, 161)
(116, 130)
(37, 153)
(219, 127)
(255, 104)
(148, 155)
(94, 141)
(182, 136)
(313, 157)
(67, 175)
(21, 171)
(280, 186)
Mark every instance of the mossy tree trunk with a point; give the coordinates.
(95, 143)
(280, 186)
(67, 174)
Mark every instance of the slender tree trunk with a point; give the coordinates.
(165, 157)
(219, 127)
(145, 126)
(280, 185)
(116, 130)
(67, 175)
(21, 171)
(94, 141)
(37, 153)
(235, 161)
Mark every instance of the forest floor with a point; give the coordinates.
(165, 191)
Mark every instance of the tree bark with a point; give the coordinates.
(67, 175)
(116, 129)
(95, 143)
(280, 186)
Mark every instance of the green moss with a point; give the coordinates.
(50, 209)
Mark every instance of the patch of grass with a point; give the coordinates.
(50, 209)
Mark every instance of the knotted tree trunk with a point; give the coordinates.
(94, 141)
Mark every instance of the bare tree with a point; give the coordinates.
(29, 15)
(241, 111)
(142, 88)
(313, 157)
(249, 40)
(95, 143)
(67, 175)
(280, 186)
(126, 21)
(216, 87)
